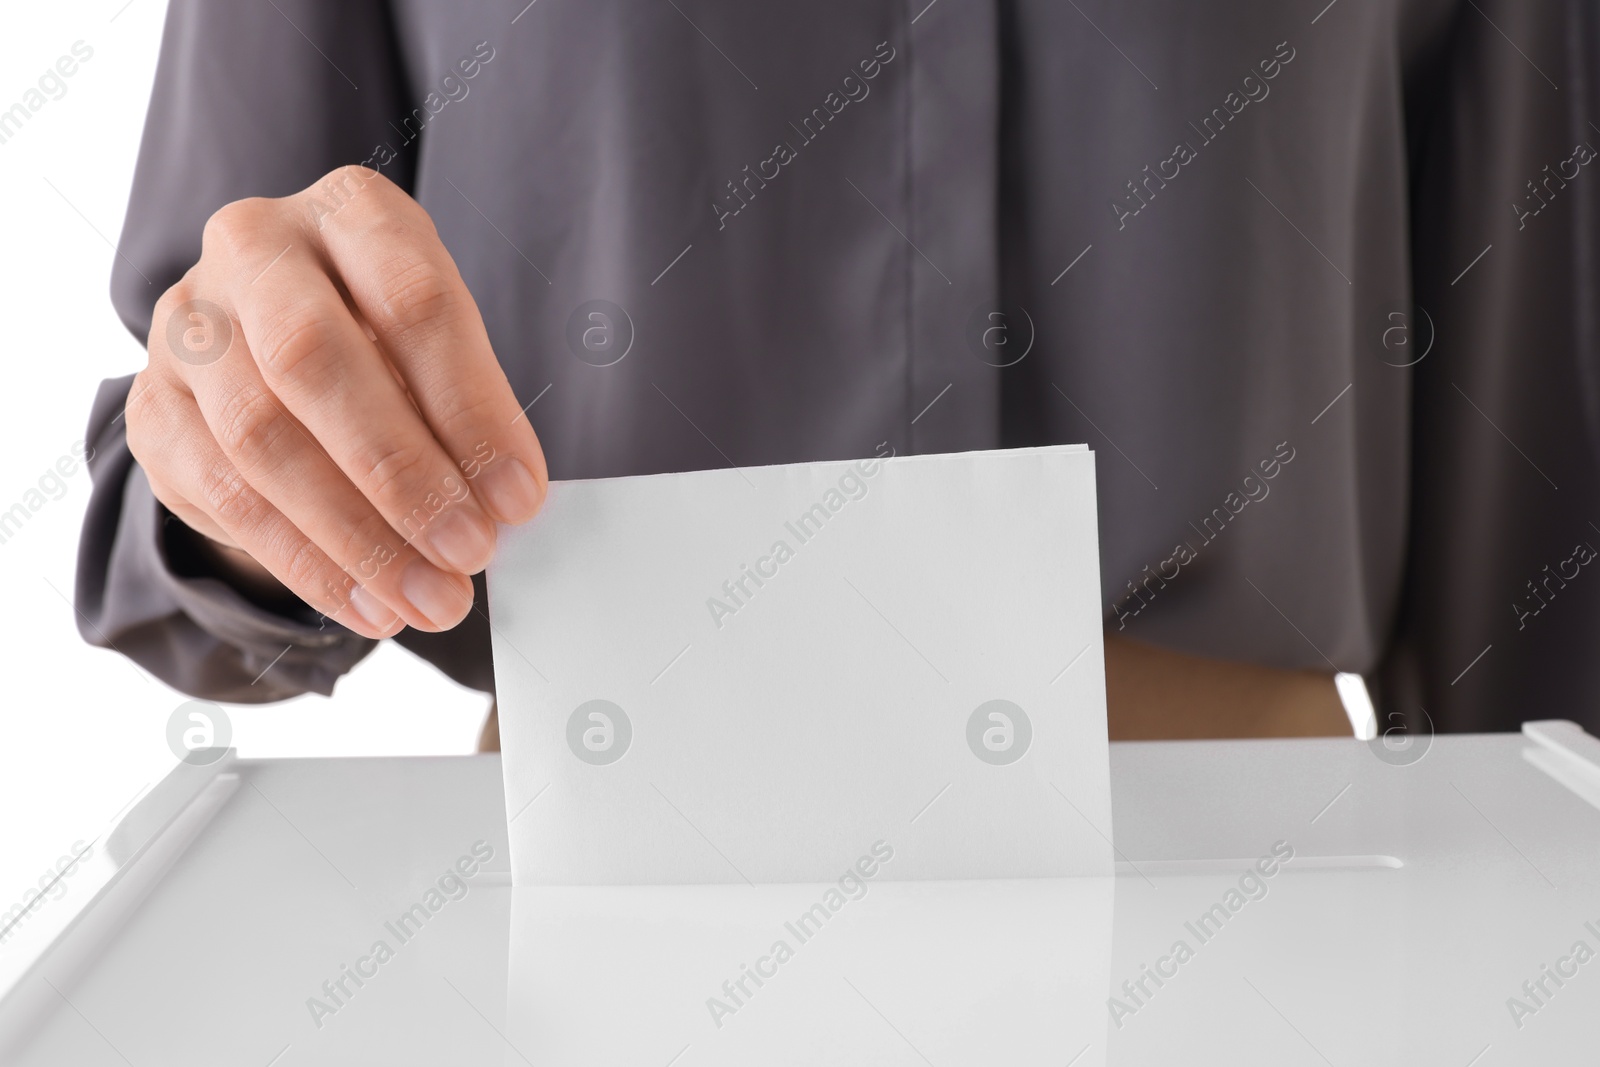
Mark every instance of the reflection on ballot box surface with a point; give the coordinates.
(853, 972)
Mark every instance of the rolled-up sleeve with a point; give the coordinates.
(249, 100)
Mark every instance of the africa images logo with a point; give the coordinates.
(599, 333)
(1000, 336)
(999, 732)
(199, 732)
(599, 732)
(199, 332)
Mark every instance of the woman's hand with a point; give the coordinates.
(321, 395)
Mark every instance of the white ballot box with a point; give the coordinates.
(1313, 901)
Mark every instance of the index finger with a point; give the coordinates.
(384, 248)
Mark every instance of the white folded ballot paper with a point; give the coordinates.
(765, 674)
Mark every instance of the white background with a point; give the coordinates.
(82, 730)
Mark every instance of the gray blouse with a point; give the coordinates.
(1317, 281)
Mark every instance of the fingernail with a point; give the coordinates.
(509, 490)
(377, 614)
(433, 593)
(461, 540)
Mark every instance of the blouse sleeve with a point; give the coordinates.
(249, 100)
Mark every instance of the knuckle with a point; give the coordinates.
(180, 293)
(350, 187)
(349, 179)
(391, 472)
(306, 568)
(234, 229)
(370, 545)
(249, 427)
(186, 328)
(146, 414)
(156, 342)
(227, 496)
(359, 200)
(466, 411)
(137, 409)
(417, 296)
(294, 341)
(356, 173)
